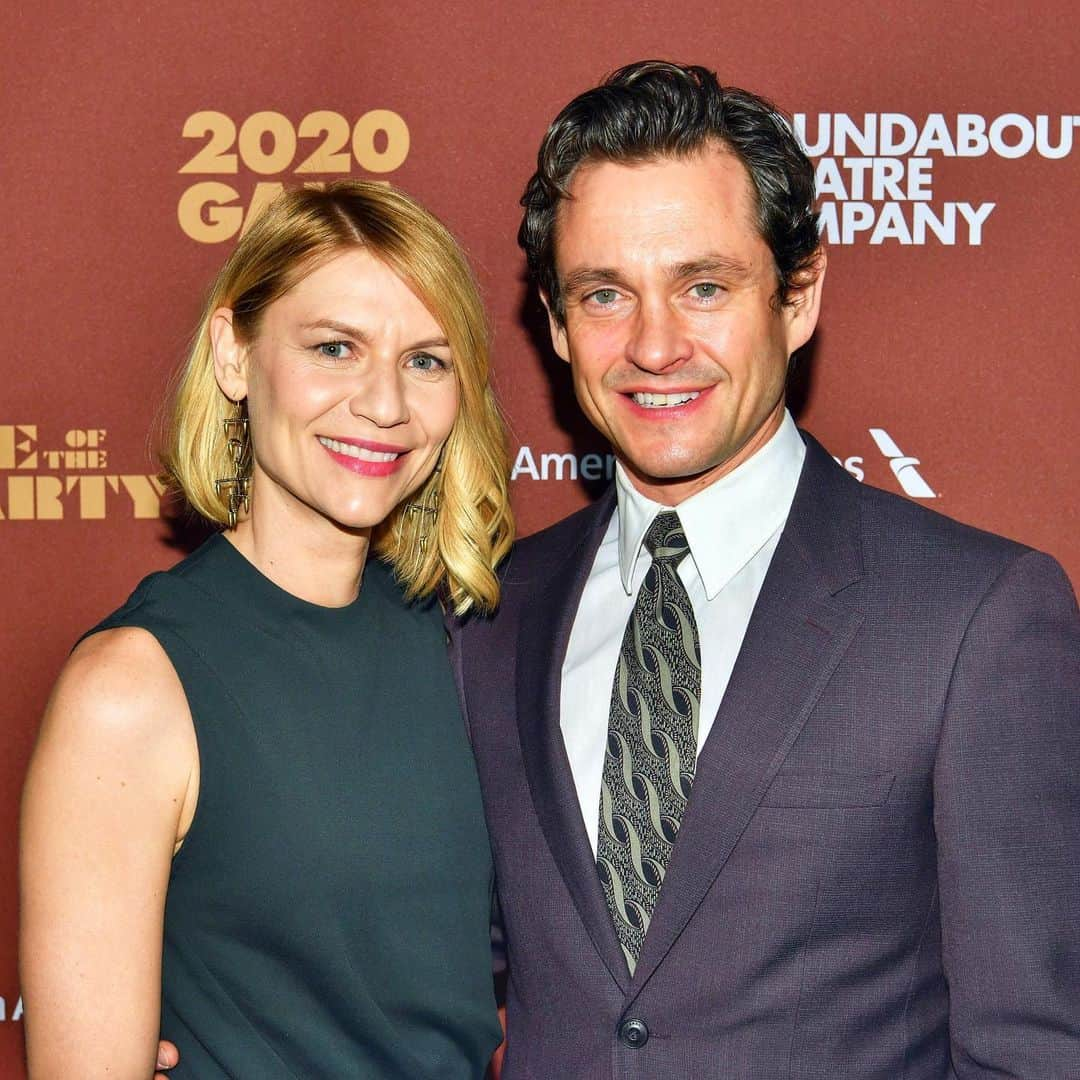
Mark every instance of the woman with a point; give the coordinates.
(252, 820)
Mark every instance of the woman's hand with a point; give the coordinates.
(167, 1057)
(108, 796)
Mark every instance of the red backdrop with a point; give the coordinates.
(137, 139)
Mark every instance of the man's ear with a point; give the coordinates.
(230, 356)
(557, 328)
(801, 312)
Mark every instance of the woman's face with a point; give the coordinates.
(351, 392)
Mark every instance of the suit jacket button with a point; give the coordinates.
(633, 1033)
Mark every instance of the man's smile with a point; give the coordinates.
(666, 405)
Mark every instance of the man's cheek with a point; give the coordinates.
(593, 408)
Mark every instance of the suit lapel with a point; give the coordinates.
(544, 634)
(796, 637)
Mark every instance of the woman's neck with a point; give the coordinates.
(302, 552)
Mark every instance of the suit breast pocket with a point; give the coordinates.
(827, 789)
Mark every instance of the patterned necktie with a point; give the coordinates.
(652, 739)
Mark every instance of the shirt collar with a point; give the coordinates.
(728, 522)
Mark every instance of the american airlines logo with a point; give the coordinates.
(902, 465)
(532, 465)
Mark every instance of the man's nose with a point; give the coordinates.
(379, 395)
(658, 340)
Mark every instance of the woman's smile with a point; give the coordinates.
(364, 457)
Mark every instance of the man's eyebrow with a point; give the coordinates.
(717, 265)
(585, 276)
(708, 265)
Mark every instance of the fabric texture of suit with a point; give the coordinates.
(878, 874)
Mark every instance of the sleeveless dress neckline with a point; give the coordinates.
(245, 583)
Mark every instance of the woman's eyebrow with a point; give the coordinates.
(364, 338)
(338, 328)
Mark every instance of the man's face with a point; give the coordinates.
(679, 354)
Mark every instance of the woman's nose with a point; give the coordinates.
(380, 397)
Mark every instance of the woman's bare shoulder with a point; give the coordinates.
(119, 684)
(106, 801)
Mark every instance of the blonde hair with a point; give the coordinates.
(454, 551)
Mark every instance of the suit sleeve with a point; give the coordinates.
(456, 641)
(1007, 819)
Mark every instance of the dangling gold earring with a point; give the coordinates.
(238, 486)
(428, 511)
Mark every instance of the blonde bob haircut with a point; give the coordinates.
(452, 552)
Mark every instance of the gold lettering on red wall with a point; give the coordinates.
(268, 144)
(69, 479)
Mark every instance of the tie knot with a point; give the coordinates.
(665, 540)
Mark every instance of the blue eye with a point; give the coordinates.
(333, 350)
(426, 362)
(604, 297)
(706, 290)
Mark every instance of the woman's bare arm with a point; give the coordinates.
(109, 796)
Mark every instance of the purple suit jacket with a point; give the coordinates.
(878, 873)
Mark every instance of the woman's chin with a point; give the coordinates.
(357, 524)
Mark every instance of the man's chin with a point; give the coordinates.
(663, 472)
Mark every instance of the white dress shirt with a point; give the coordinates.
(732, 527)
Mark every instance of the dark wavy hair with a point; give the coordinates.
(652, 109)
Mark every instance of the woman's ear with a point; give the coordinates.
(230, 356)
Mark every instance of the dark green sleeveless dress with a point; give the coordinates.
(328, 913)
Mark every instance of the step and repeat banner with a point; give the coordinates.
(138, 142)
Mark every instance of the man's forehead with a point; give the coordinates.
(659, 207)
(714, 158)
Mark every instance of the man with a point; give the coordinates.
(872, 771)
(786, 784)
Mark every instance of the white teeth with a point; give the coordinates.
(665, 401)
(356, 451)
